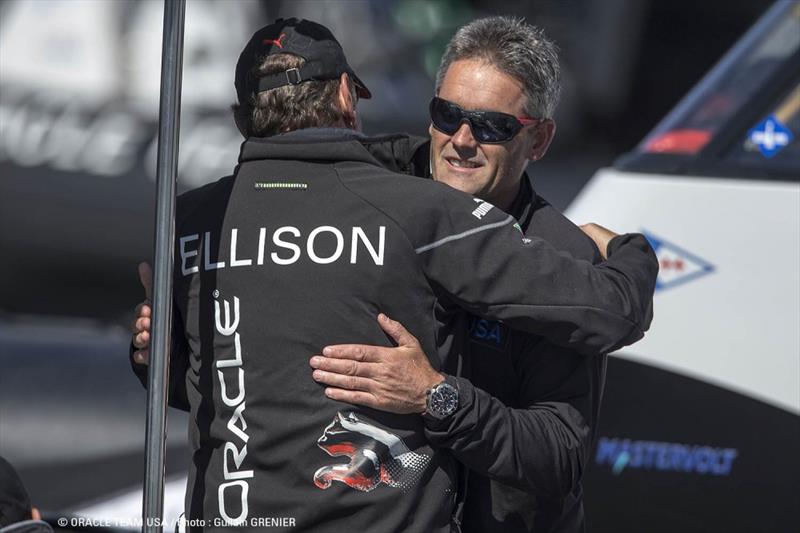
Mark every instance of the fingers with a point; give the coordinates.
(146, 278)
(141, 323)
(141, 326)
(353, 383)
(396, 330)
(141, 357)
(354, 397)
(357, 352)
(345, 367)
(141, 339)
(143, 310)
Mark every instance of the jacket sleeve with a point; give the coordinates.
(543, 445)
(479, 259)
(178, 364)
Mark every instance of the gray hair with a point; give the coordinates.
(516, 48)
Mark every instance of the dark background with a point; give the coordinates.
(72, 238)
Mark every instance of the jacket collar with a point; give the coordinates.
(522, 208)
(398, 152)
(310, 144)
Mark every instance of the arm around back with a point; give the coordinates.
(480, 260)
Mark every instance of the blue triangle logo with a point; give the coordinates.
(676, 265)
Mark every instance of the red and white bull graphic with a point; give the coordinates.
(376, 456)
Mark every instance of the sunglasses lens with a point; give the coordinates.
(445, 116)
(494, 128)
(487, 126)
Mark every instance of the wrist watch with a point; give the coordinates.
(441, 401)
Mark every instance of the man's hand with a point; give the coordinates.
(600, 235)
(389, 379)
(141, 324)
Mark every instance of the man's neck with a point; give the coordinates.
(521, 205)
(506, 199)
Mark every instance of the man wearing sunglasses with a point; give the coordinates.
(525, 420)
(317, 170)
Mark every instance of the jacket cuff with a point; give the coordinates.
(621, 240)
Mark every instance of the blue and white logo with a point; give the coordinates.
(676, 265)
(487, 332)
(622, 454)
(770, 136)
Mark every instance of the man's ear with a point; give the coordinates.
(347, 103)
(542, 137)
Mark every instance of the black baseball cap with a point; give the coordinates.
(314, 42)
(15, 504)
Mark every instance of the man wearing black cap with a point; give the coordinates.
(528, 413)
(303, 246)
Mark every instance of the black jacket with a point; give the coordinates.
(529, 409)
(301, 248)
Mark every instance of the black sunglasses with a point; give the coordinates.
(488, 127)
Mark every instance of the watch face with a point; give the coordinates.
(444, 400)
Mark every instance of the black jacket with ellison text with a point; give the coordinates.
(303, 247)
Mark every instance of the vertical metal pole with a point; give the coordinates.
(166, 175)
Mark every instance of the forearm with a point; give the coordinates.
(524, 281)
(541, 449)
(586, 308)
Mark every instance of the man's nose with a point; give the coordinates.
(463, 137)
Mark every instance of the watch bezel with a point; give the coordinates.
(442, 400)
